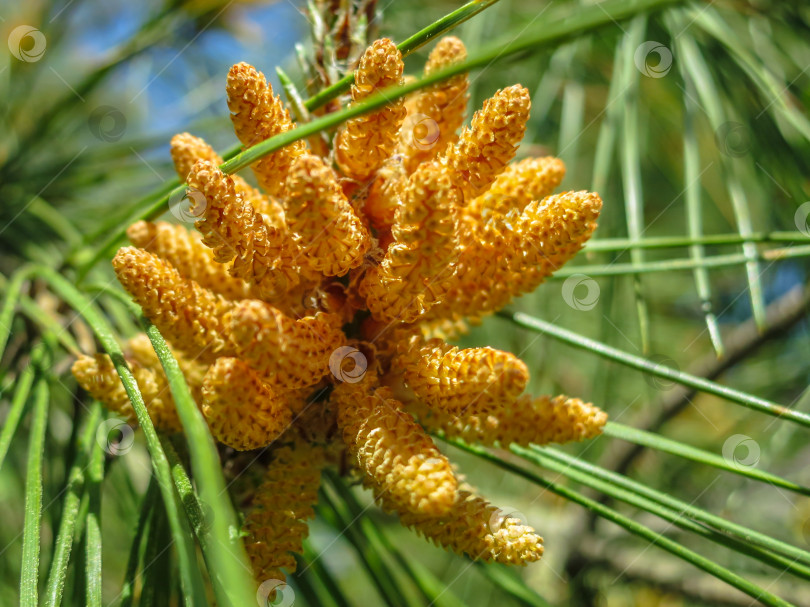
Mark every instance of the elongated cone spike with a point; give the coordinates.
(242, 411)
(474, 380)
(385, 193)
(258, 115)
(554, 230)
(97, 375)
(514, 254)
(489, 143)
(185, 250)
(187, 149)
(364, 143)
(329, 235)
(437, 112)
(399, 460)
(194, 319)
(478, 529)
(276, 525)
(287, 353)
(140, 350)
(418, 268)
(528, 420)
(261, 254)
(520, 184)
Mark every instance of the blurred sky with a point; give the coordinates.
(177, 81)
(184, 78)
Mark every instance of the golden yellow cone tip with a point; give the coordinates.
(98, 376)
(511, 255)
(330, 237)
(140, 350)
(436, 113)
(242, 411)
(399, 460)
(363, 143)
(486, 147)
(261, 254)
(520, 184)
(555, 229)
(258, 115)
(186, 150)
(194, 319)
(472, 380)
(418, 267)
(478, 529)
(433, 117)
(528, 420)
(184, 249)
(276, 524)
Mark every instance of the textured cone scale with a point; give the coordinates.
(485, 148)
(436, 113)
(242, 412)
(98, 376)
(433, 116)
(385, 193)
(364, 143)
(258, 115)
(189, 256)
(330, 237)
(511, 255)
(305, 314)
(186, 252)
(520, 184)
(140, 350)
(261, 253)
(287, 353)
(194, 319)
(418, 267)
(188, 149)
(400, 461)
(561, 224)
(473, 380)
(538, 420)
(478, 529)
(275, 525)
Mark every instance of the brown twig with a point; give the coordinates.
(741, 343)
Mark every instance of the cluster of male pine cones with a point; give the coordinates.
(309, 316)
